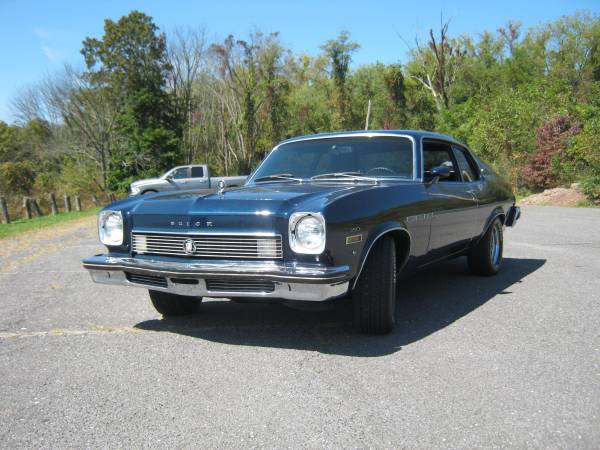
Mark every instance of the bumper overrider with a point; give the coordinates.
(222, 278)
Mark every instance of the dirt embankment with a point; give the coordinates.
(570, 196)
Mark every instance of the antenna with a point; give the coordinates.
(368, 115)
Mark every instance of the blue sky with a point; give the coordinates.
(38, 37)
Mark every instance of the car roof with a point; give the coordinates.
(415, 134)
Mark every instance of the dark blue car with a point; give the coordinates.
(322, 217)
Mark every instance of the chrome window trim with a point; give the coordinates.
(348, 135)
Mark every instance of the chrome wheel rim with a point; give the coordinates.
(495, 245)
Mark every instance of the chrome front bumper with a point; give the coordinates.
(291, 281)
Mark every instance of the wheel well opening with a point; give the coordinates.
(402, 241)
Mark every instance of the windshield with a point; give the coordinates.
(374, 157)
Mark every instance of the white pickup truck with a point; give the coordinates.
(195, 176)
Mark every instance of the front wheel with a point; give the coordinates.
(174, 305)
(374, 299)
(486, 257)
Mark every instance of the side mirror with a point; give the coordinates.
(439, 172)
(169, 178)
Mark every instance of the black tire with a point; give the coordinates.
(374, 298)
(486, 257)
(149, 191)
(174, 305)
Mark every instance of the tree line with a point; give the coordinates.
(527, 101)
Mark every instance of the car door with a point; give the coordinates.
(473, 179)
(179, 177)
(197, 179)
(453, 205)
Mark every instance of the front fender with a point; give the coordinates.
(397, 228)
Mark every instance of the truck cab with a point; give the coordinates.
(189, 177)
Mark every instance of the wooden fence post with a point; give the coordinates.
(67, 203)
(53, 205)
(4, 210)
(27, 207)
(36, 207)
(77, 203)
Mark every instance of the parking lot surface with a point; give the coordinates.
(505, 361)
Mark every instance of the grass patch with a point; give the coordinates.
(23, 225)
(587, 203)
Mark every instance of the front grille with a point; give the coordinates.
(148, 280)
(208, 245)
(254, 286)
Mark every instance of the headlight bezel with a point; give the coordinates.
(105, 237)
(295, 244)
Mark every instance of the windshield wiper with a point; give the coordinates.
(278, 176)
(352, 176)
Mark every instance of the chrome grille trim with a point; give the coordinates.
(226, 246)
(255, 286)
(148, 280)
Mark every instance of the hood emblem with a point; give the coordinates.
(189, 246)
(221, 187)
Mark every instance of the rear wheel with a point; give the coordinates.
(374, 298)
(174, 305)
(486, 257)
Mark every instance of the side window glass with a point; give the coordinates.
(434, 155)
(180, 173)
(197, 172)
(466, 168)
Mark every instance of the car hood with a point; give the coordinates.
(246, 206)
(147, 181)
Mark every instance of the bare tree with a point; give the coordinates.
(187, 59)
(510, 35)
(82, 117)
(438, 65)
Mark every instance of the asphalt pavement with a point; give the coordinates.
(510, 361)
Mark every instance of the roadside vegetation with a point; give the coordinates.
(528, 101)
(36, 223)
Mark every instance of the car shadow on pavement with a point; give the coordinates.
(429, 301)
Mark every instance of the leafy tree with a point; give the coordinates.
(16, 177)
(131, 61)
(339, 51)
(9, 142)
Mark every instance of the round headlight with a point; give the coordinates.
(307, 233)
(110, 227)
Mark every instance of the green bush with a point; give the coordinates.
(591, 187)
(17, 177)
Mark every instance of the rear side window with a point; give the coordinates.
(439, 154)
(466, 166)
(197, 172)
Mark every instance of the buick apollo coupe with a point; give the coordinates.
(325, 216)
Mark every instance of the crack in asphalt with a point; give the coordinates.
(176, 329)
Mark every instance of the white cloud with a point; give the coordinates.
(51, 53)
